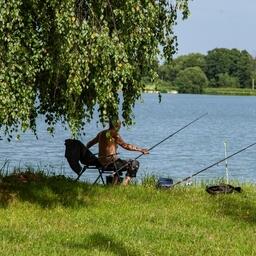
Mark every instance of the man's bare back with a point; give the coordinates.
(108, 141)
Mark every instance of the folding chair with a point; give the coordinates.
(77, 153)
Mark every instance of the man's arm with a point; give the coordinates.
(93, 142)
(128, 146)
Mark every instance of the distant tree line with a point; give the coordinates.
(221, 67)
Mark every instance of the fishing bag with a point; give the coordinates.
(164, 182)
(76, 152)
(222, 189)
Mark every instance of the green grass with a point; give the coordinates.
(164, 87)
(230, 91)
(160, 86)
(53, 215)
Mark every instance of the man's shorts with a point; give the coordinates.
(129, 166)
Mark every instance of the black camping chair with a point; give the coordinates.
(78, 154)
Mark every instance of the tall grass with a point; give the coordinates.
(54, 215)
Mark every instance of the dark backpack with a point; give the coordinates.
(164, 183)
(222, 189)
(76, 152)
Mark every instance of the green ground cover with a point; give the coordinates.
(53, 215)
(160, 86)
(230, 91)
(165, 87)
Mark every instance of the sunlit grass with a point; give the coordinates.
(53, 215)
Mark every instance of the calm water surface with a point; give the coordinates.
(230, 119)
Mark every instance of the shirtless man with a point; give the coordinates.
(108, 141)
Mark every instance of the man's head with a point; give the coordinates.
(115, 124)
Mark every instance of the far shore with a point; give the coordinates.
(152, 88)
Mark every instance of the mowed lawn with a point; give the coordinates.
(57, 216)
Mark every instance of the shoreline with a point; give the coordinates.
(208, 91)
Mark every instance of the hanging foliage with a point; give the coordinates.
(62, 59)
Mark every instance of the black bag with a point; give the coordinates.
(164, 182)
(77, 152)
(222, 189)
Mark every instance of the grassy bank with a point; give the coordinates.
(230, 91)
(160, 86)
(164, 87)
(42, 215)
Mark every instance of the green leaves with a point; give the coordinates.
(234, 63)
(191, 80)
(64, 58)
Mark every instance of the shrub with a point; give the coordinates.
(226, 80)
(191, 80)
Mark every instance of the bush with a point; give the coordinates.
(191, 80)
(226, 80)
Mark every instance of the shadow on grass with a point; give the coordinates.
(102, 242)
(238, 207)
(46, 191)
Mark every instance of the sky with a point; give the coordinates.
(218, 24)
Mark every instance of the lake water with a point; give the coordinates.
(230, 118)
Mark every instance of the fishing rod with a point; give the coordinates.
(168, 137)
(208, 167)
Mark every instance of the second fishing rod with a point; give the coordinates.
(216, 163)
(168, 137)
